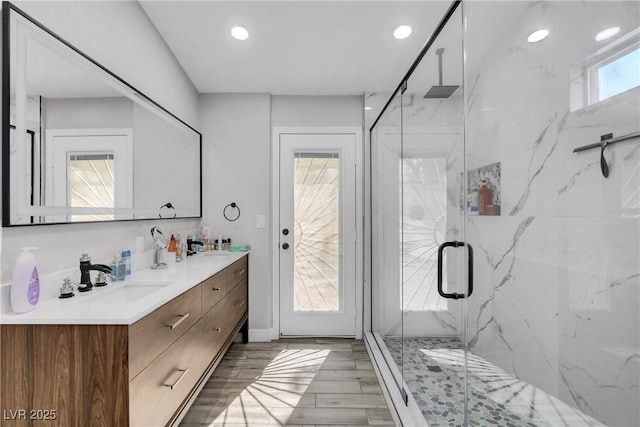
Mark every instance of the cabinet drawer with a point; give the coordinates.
(151, 335)
(221, 320)
(236, 272)
(213, 290)
(219, 323)
(162, 386)
(237, 302)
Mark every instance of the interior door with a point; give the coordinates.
(317, 243)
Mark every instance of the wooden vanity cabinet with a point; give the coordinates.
(145, 374)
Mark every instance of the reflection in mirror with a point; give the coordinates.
(83, 145)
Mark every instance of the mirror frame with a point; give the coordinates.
(7, 9)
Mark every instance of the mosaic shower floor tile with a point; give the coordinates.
(433, 369)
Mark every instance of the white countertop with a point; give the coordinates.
(124, 303)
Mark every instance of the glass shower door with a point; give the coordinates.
(434, 253)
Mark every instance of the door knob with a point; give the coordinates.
(285, 231)
(285, 246)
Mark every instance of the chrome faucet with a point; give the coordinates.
(85, 272)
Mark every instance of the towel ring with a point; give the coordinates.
(233, 206)
(167, 205)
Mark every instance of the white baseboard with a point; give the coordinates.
(262, 335)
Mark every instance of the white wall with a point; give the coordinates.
(96, 113)
(317, 111)
(236, 148)
(120, 36)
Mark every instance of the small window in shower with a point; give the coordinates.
(616, 75)
(611, 71)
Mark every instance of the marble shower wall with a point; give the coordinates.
(557, 274)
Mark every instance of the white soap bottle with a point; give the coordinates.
(25, 285)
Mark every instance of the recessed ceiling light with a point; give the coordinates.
(367, 108)
(536, 36)
(606, 33)
(402, 32)
(240, 33)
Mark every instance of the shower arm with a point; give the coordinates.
(439, 52)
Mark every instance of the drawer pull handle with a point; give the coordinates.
(218, 329)
(240, 304)
(175, 324)
(182, 375)
(240, 272)
(216, 289)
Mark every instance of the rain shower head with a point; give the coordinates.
(440, 91)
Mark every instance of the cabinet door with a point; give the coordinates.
(75, 374)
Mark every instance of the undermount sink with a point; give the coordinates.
(127, 293)
(216, 253)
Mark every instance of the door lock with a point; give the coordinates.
(285, 231)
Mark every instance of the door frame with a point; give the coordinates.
(275, 217)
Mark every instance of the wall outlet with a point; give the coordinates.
(260, 221)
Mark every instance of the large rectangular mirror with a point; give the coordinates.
(79, 144)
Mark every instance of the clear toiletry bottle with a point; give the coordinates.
(126, 257)
(118, 269)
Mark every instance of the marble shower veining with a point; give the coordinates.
(433, 368)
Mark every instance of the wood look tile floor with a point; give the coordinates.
(324, 382)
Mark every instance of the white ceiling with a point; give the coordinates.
(295, 47)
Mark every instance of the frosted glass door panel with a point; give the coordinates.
(317, 232)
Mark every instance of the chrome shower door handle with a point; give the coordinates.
(454, 295)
